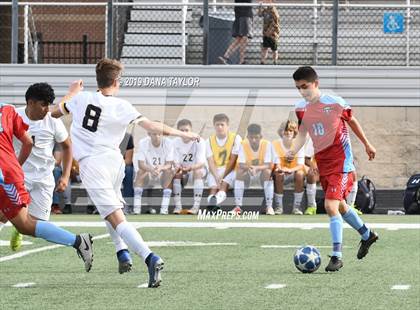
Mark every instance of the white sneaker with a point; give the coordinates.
(269, 211)
(164, 211)
(278, 210)
(296, 211)
(177, 209)
(136, 210)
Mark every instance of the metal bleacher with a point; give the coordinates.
(154, 35)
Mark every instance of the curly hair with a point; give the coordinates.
(40, 92)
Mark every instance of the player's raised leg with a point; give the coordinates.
(26, 225)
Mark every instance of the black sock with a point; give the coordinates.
(148, 258)
(77, 242)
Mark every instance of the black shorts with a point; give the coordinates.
(269, 43)
(242, 27)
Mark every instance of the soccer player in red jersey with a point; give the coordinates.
(14, 198)
(324, 118)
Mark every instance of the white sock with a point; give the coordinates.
(166, 199)
(198, 192)
(297, 200)
(132, 237)
(351, 197)
(1, 225)
(311, 194)
(278, 199)
(268, 192)
(138, 192)
(177, 192)
(118, 242)
(220, 197)
(239, 192)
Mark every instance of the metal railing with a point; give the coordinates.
(170, 32)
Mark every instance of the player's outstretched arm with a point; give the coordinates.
(358, 131)
(59, 110)
(26, 149)
(157, 127)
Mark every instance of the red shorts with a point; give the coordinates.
(337, 186)
(13, 197)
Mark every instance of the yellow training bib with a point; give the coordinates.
(221, 154)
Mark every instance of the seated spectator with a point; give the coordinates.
(287, 171)
(254, 165)
(154, 164)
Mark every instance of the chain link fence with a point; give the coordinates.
(372, 33)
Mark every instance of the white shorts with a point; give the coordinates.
(41, 199)
(229, 179)
(102, 176)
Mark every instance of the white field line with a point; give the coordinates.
(400, 287)
(275, 286)
(41, 249)
(287, 246)
(7, 242)
(24, 285)
(209, 224)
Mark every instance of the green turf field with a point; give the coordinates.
(223, 269)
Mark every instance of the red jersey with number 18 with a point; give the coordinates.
(325, 123)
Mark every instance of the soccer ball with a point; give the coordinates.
(307, 259)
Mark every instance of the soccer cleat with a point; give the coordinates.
(15, 240)
(335, 264)
(310, 210)
(163, 210)
(269, 211)
(154, 267)
(55, 209)
(177, 209)
(296, 211)
(124, 261)
(278, 210)
(212, 205)
(237, 210)
(356, 210)
(365, 244)
(85, 250)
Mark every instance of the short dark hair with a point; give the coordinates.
(40, 92)
(184, 122)
(254, 129)
(220, 118)
(305, 73)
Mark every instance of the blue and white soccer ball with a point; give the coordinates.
(307, 259)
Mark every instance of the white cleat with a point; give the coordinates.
(269, 211)
(85, 250)
(177, 209)
(278, 210)
(296, 211)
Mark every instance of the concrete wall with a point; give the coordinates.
(385, 100)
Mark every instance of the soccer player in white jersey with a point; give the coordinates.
(99, 123)
(255, 160)
(154, 164)
(190, 162)
(45, 131)
(222, 149)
